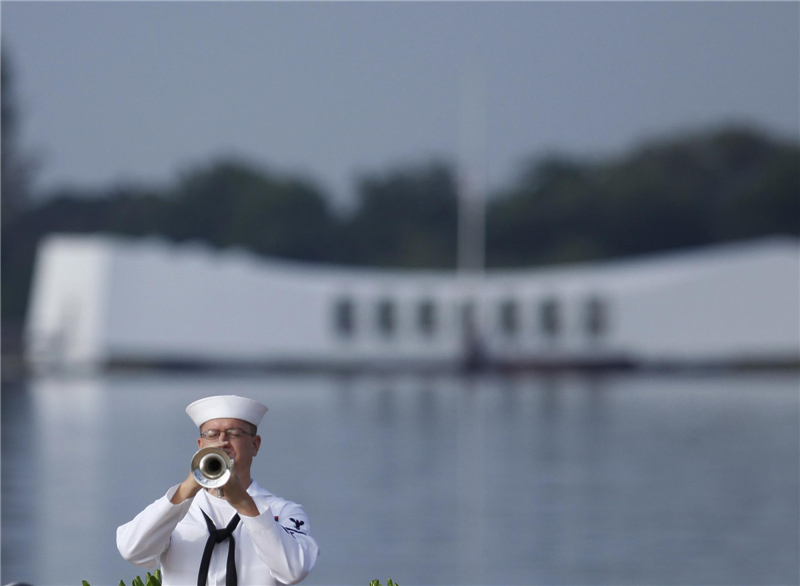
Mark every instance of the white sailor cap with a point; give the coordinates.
(226, 407)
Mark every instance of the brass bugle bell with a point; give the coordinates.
(212, 468)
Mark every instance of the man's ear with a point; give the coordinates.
(256, 445)
(198, 443)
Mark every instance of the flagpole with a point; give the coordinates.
(471, 205)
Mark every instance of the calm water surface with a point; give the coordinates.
(623, 479)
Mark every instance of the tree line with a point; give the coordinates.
(706, 188)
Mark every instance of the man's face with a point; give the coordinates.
(242, 449)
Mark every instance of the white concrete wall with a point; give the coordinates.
(96, 298)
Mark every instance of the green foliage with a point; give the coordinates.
(684, 191)
(16, 165)
(406, 218)
(388, 583)
(150, 580)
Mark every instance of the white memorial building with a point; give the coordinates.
(99, 301)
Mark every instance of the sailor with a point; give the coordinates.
(245, 537)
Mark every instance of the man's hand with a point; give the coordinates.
(236, 494)
(187, 490)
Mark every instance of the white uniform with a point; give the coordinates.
(273, 548)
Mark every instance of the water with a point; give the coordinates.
(623, 479)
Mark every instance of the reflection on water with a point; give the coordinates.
(432, 480)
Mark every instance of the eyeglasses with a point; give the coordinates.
(234, 432)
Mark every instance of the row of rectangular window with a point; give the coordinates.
(595, 318)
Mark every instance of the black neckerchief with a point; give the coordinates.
(216, 536)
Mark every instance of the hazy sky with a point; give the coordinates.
(139, 91)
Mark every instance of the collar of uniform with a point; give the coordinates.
(255, 490)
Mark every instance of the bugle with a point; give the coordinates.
(212, 468)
